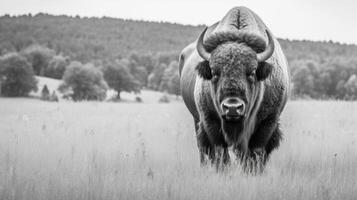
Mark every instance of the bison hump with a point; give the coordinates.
(239, 24)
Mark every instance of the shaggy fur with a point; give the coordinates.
(233, 61)
(254, 41)
(232, 65)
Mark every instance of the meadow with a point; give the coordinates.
(93, 150)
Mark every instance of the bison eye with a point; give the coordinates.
(215, 78)
(252, 76)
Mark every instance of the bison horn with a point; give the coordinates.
(268, 51)
(200, 48)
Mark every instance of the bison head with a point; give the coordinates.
(235, 66)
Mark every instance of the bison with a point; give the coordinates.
(234, 80)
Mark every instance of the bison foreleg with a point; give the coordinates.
(262, 136)
(264, 139)
(209, 153)
(203, 144)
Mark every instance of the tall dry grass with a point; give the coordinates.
(148, 151)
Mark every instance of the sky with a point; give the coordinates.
(293, 19)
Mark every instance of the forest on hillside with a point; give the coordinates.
(147, 53)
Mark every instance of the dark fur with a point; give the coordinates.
(264, 70)
(256, 42)
(204, 70)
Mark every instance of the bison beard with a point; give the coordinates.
(236, 131)
(233, 131)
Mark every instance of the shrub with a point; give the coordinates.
(138, 99)
(54, 97)
(164, 98)
(83, 82)
(16, 76)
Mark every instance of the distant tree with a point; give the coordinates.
(17, 76)
(2, 79)
(56, 67)
(120, 79)
(174, 85)
(45, 93)
(351, 87)
(39, 57)
(166, 57)
(154, 79)
(341, 90)
(134, 57)
(21, 40)
(6, 47)
(146, 60)
(169, 72)
(139, 72)
(83, 82)
(303, 82)
(323, 84)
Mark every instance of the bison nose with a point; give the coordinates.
(233, 107)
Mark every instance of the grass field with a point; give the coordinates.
(121, 151)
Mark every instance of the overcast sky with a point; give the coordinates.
(293, 19)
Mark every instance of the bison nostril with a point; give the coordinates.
(225, 107)
(233, 106)
(240, 109)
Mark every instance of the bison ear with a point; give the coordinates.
(204, 70)
(263, 71)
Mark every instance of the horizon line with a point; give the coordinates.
(158, 21)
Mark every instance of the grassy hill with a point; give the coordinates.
(94, 38)
(87, 39)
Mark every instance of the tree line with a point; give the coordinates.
(86, 81)
(128, 55)
(322, 70)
